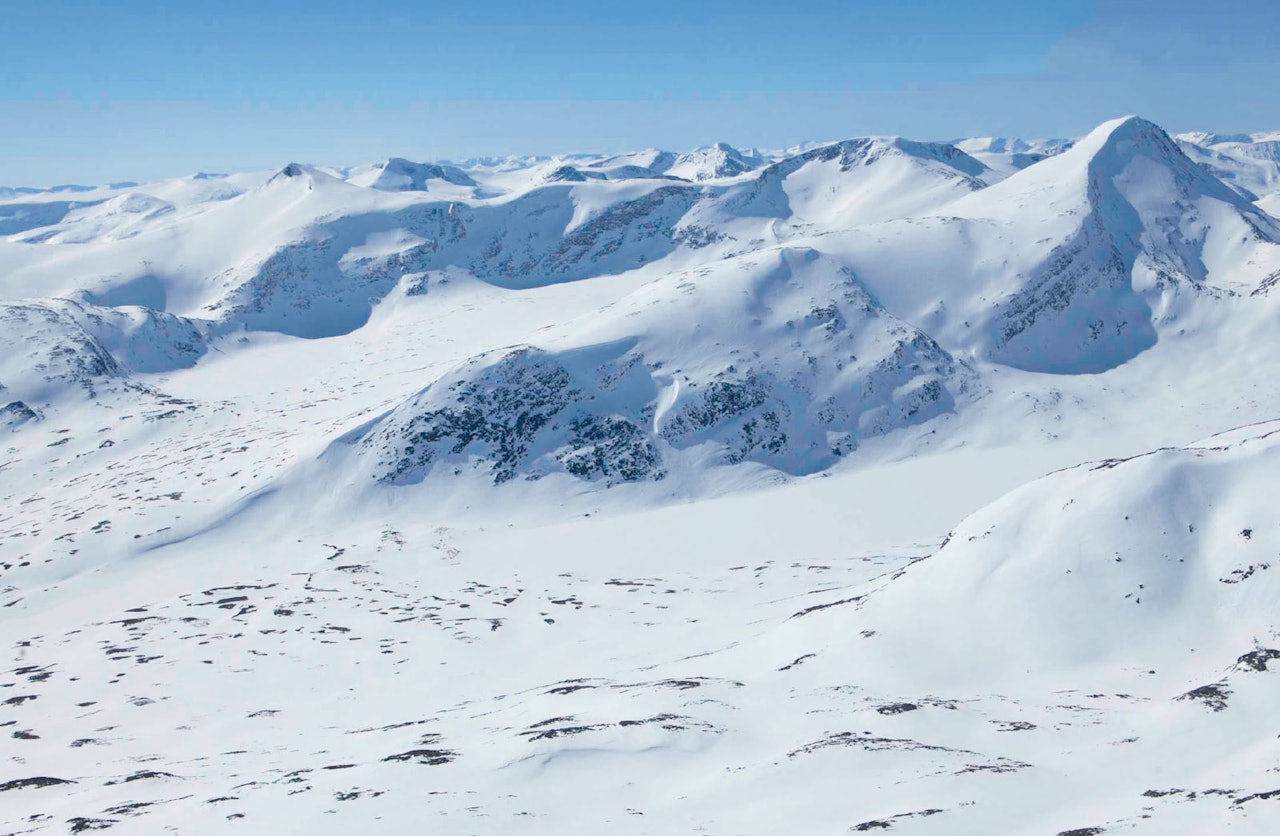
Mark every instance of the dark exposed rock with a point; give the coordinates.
(29, 783)
(1257, 796)
(610, 447)
(497, 414)
(1256, 660)
(1213, 697)
(430, 757)
(1014, 725)
(566, 174)
(17, 413)
(885, 824)
(818, 607)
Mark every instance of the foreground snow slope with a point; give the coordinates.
(653, 493)
(667, 671)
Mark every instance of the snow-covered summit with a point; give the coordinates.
(712, 163)
(398, 174)
(1114, 233)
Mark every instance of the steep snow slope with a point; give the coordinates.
(1075, 264)
(54, 347)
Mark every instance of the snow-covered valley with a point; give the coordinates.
(871, 485)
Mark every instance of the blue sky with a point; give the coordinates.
(100, 90)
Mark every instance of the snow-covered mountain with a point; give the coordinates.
(1005, 155)
(1077, 263)
(398, 175)
(652, 492)
(780, 357)
(52, 345)
(1249, 163)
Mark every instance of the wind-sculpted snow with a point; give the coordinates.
(20, 217)
(1078, 263)
(1096, 652)
(781, 359)
(1098, 243)
(54, 346)
(857, 181)
(116, 218)
(325, 284)
(322, 285)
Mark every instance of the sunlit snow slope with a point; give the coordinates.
(874, 485)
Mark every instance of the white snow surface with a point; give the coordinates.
(874, 485)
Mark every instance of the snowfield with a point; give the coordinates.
(876, 485)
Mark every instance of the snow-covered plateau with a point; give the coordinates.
(875, 485)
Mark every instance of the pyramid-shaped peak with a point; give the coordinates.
(301, 173)
(1105, 154)
(1128, 134)
(1115, 147)
(296, 172)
